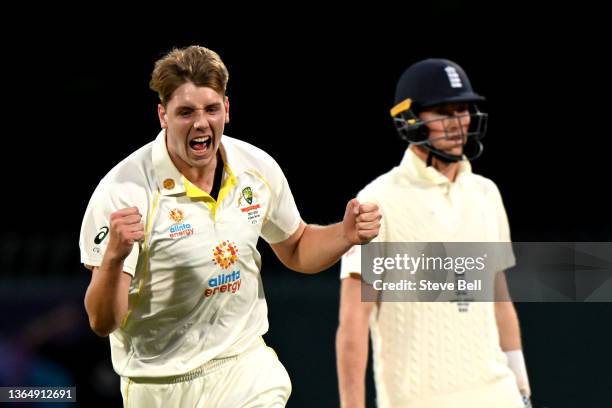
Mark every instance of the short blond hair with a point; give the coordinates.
(196, 64)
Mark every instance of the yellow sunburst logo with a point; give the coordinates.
(177, 215)
(225, 254)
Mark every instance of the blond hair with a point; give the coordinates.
(194, 64)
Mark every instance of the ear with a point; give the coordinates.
(227, 116)
(163, 118)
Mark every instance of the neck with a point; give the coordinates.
(448, 169)
(202, 177)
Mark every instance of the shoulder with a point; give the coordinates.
(131, 175)
(485, 187)
(250, 158)
(247, 153)
(381, 186)
(484, 184)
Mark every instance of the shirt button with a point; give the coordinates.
(168, 184)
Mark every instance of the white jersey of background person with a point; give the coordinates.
(430, 352)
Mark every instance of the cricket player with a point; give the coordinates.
(433, 354)
(170, 237)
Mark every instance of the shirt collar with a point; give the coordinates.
(412, 165)
(170, 180)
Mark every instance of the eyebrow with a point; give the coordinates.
(191, 107)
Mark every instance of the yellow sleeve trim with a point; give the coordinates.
(145, 251)
(127, 392)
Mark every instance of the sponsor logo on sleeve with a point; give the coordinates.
(101, 235)
(98, 239)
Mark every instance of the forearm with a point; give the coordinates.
(319, 248)
(106, 299)
(352, 360)
(507, 326)
(510, 342)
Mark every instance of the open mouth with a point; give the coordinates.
(201, 144)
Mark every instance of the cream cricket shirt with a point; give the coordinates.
(196, 292)
(429, 354)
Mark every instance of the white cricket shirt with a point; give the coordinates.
(429, 354)
(196, 292)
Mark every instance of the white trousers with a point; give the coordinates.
(253, 379)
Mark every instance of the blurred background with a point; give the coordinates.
(312, 87)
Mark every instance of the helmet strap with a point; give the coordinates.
(445, 157)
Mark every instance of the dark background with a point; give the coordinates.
(313, 88)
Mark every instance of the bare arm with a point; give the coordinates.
(314, 248)
(352, 343)
(106, 299)
(510, 334)
(505, 316)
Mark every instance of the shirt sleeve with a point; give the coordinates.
(506, 255)
(351, 262)
(283, 217)
(95, 228)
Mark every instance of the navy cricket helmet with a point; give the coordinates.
(430, 83)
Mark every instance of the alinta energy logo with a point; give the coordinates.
(180, 228)
(225, 255)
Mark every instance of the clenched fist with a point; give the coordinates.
(125, 229)
(361, 222)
